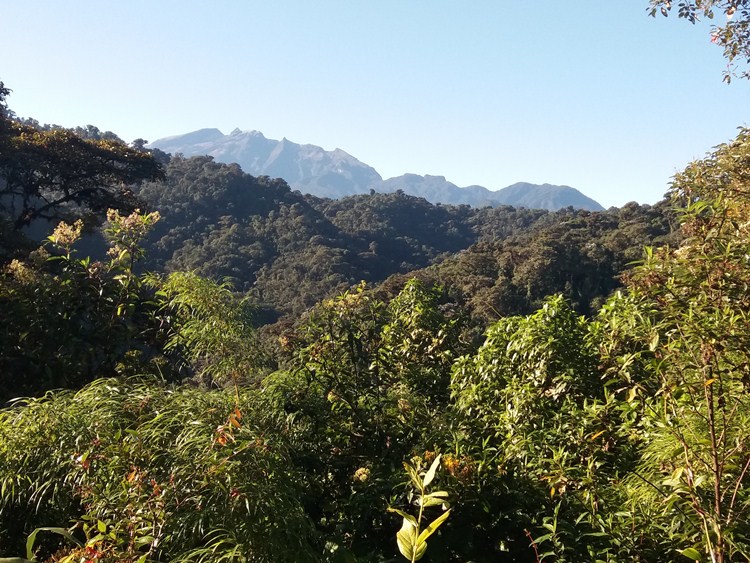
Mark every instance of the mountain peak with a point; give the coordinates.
(311, 169)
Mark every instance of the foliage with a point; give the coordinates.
(733, 35)
(164, 474)
(57, 174)
(5, 112)
(210, 327)
(577, 253)
(358, 403)
(688, 378)
(584, 428)
(412, 538)
(531, 405)
(68, 320)
(291, 251)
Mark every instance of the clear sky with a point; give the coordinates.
(592, 94)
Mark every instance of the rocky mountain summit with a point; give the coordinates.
(335, 174)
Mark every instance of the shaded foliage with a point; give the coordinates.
(577, 253)
(58, 174)
(359, 401)
(67, 320)
(581, 428)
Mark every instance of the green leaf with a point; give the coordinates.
(434, 525)
(691, 553)
(654, 344)
(101, 526)
(142, 541)
(542, 539)
(430, 475)
(434, 499)
(413, 475)
(406, 537)
(32, 539)
(431, 501)
(404, 515)
(420, 550)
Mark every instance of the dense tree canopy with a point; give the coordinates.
(53, 173)
(4, 92)
(290, 251)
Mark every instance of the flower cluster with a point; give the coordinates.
(66, 235)
(362, 474)
(20, 271)
(126, 232)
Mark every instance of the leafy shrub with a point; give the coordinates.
(173, 473)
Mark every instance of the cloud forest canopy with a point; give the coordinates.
(616, 436)
(290, 250)
(54, 173)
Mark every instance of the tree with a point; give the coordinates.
(66, 320)
(4, 92)
(152, 473)
(680, 349)
(210, 327)
(530, 405)
(733, 36)
(58, 174)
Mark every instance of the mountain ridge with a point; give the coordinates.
(335, 174)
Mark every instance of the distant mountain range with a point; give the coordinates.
(334, 174)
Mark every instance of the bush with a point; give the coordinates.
(175, 474)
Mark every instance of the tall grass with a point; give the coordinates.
(170, 473)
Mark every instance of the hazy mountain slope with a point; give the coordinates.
(307, 168)
(546, 196)
(436, 189)
(336, 174)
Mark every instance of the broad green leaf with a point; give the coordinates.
(413, 475)
(406, 537)
(420, 550)
(430, 475)
(431, 501)
(691, 553)
(434, 499)
(434, 525)
(404, 515)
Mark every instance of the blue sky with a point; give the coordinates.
(592, 94)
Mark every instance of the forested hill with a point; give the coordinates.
(290, 250)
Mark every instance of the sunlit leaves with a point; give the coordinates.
(56, 174)
(412, 538)
(156, 478)
(731, 32)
